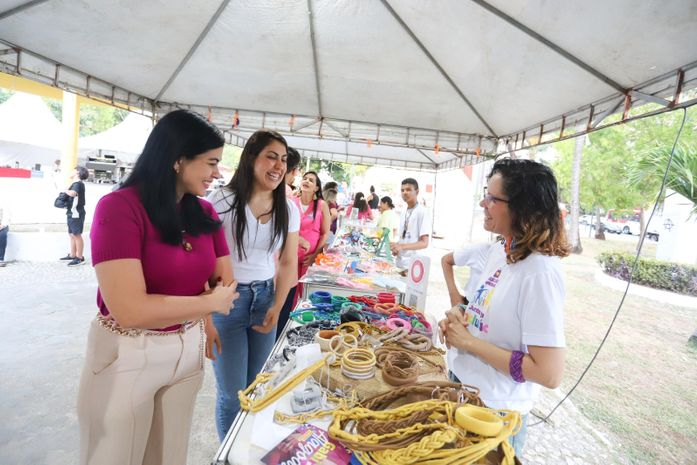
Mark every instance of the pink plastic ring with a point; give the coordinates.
(394, 323)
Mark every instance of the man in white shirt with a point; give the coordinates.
(414, 226)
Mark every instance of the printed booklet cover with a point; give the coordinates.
(308, 445)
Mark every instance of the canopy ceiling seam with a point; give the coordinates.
(315, 61)
(438, 66)
(193, 48)
(543, 40)
(20, 8)
(428, 158)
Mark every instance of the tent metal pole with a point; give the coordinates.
(193, 48)
(523, 28)
(19, 8)
(437, 65)
(315, 61)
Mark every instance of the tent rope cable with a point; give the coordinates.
(629, 280)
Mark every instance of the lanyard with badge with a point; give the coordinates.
(407, 217)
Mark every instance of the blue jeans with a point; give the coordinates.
(244, 351)
(518, 440)
(3, 241)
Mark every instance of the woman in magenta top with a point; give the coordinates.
(315, 221)
(162, 265)
(360, 203)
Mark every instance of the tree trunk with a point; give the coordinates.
(599, 228)
(574, 236)
(642, 225)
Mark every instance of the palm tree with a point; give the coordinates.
(681, 178)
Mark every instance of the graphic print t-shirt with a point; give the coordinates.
(512, 306)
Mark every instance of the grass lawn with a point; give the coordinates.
(642, 388)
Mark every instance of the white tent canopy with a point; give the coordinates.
(126, 139)
(423, 84)
(26, 119)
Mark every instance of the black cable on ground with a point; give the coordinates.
(631, 274)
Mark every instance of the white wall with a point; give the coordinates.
(678, 243)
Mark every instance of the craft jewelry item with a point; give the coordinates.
(320, 297)
(306, 400)
(394, 323)
(342, 342)
(301, 335)
(386, 297)
(399, 368)
(323, 337)
(358, 364)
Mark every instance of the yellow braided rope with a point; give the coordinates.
(428, 450)
(255, 405)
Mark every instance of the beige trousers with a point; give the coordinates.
(136, 398)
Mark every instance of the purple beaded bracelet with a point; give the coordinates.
(515, 366)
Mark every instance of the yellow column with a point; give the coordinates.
(71, 130)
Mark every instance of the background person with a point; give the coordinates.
(388, 218)
(259, 222)
(313, 234)
(373, 199)
(414, 226)
(76, 216)
(156, 250)
(292, 170)
(5, 215)
(360, 204)
(509, 339)
(329, 193)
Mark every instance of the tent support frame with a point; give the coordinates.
(438, 66)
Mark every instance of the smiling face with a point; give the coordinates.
(195, 176)
(309, 183)
(270, 166)
(497, 217)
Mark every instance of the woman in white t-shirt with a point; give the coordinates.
(259, 223)
(509, 338)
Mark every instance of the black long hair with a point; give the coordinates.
(318, 194)
(533, 202)
(242, 184)
(180, 133)
(360, 202)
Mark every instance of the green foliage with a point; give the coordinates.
(93, 118)
(339, 171)
(609, 156)
(682, 176)
(231, 156)
(5, 94)
(674, 277)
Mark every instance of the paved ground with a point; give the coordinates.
(46, 309)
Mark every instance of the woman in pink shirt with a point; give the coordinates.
(162, 266)
(361, 204)
(315, 222)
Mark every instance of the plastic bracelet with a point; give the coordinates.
(515, 366)
(394, 323)
(342, 342)
(478, 420)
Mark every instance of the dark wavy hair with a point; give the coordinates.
(242, 184)
(179, 134)
(533, 204)
(360, 202)
(318, 193)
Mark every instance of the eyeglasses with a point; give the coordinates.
(488, 198)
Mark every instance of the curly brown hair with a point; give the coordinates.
(533, 203)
